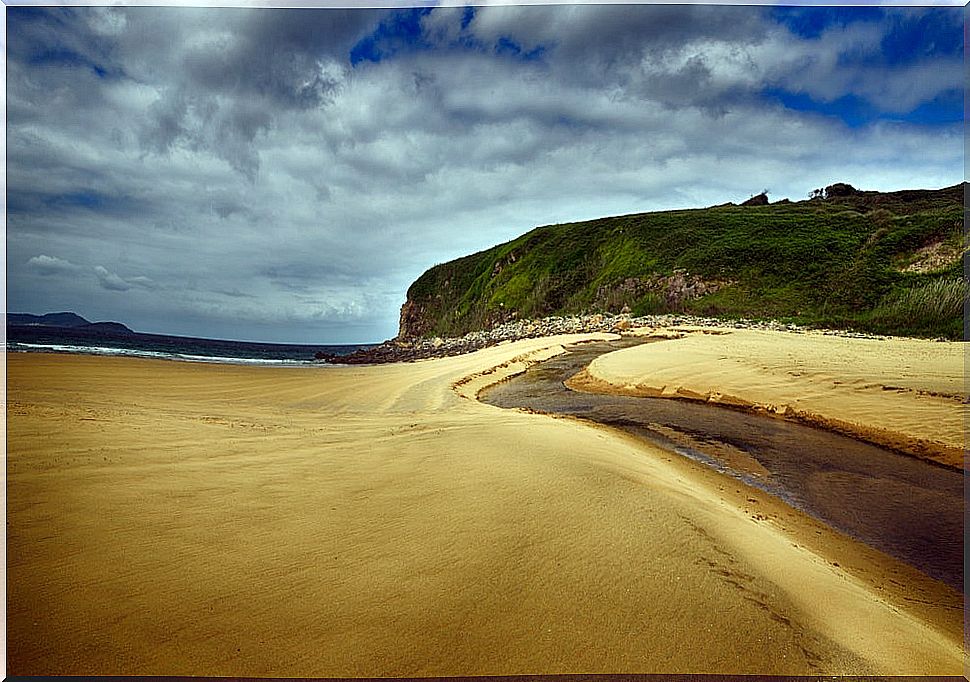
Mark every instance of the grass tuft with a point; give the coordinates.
(926, 308)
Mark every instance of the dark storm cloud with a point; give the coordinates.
(650, 53)
(229, 85)
(284, 175)
(280, 56)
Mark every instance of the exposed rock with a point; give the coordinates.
(934, 256)
(682, 286)
(414, 321)
(675, 288)
(757, 200)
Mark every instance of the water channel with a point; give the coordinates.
(906, 507)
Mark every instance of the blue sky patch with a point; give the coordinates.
(28, 201)
(851, 110)
(400, 32)
(84, 199)
(854, 111)
(946, 108)
(67, 58)
(930, 34)
(33, 41)
(911, 35)
(467, 16)
(507, 46)
(811, 22)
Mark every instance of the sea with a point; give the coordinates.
(40, 339)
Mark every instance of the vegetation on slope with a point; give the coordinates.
(879, 262)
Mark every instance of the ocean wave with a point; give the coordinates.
(152, 354)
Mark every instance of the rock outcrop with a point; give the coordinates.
(414, 321)
(757, 200)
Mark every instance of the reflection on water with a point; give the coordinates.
(906, 507)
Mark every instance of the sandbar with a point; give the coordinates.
(902, 393)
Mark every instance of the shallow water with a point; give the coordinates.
(906, 507)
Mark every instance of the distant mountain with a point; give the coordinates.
(48, 320)
(66, 320)
(886, 262)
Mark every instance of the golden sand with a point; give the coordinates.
(184, 519)
(907, 394)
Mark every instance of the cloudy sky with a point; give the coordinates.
(284, 175)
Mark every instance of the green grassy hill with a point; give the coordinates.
(880, 262)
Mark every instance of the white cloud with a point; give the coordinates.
(110, 280)
(51, 265)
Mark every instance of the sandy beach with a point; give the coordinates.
(170, 518)
(906, 394)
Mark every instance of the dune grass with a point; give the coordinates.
(928, 308)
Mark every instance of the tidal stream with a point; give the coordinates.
(906, 507)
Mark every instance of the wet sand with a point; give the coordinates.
(185, 519)
(904, 394)
(910, 508)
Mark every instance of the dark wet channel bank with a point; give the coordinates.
(903, 506)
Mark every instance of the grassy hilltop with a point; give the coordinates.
(880, 262)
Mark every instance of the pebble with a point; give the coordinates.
(408, 350)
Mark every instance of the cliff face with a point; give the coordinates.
(841, 259)
(415, 321)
